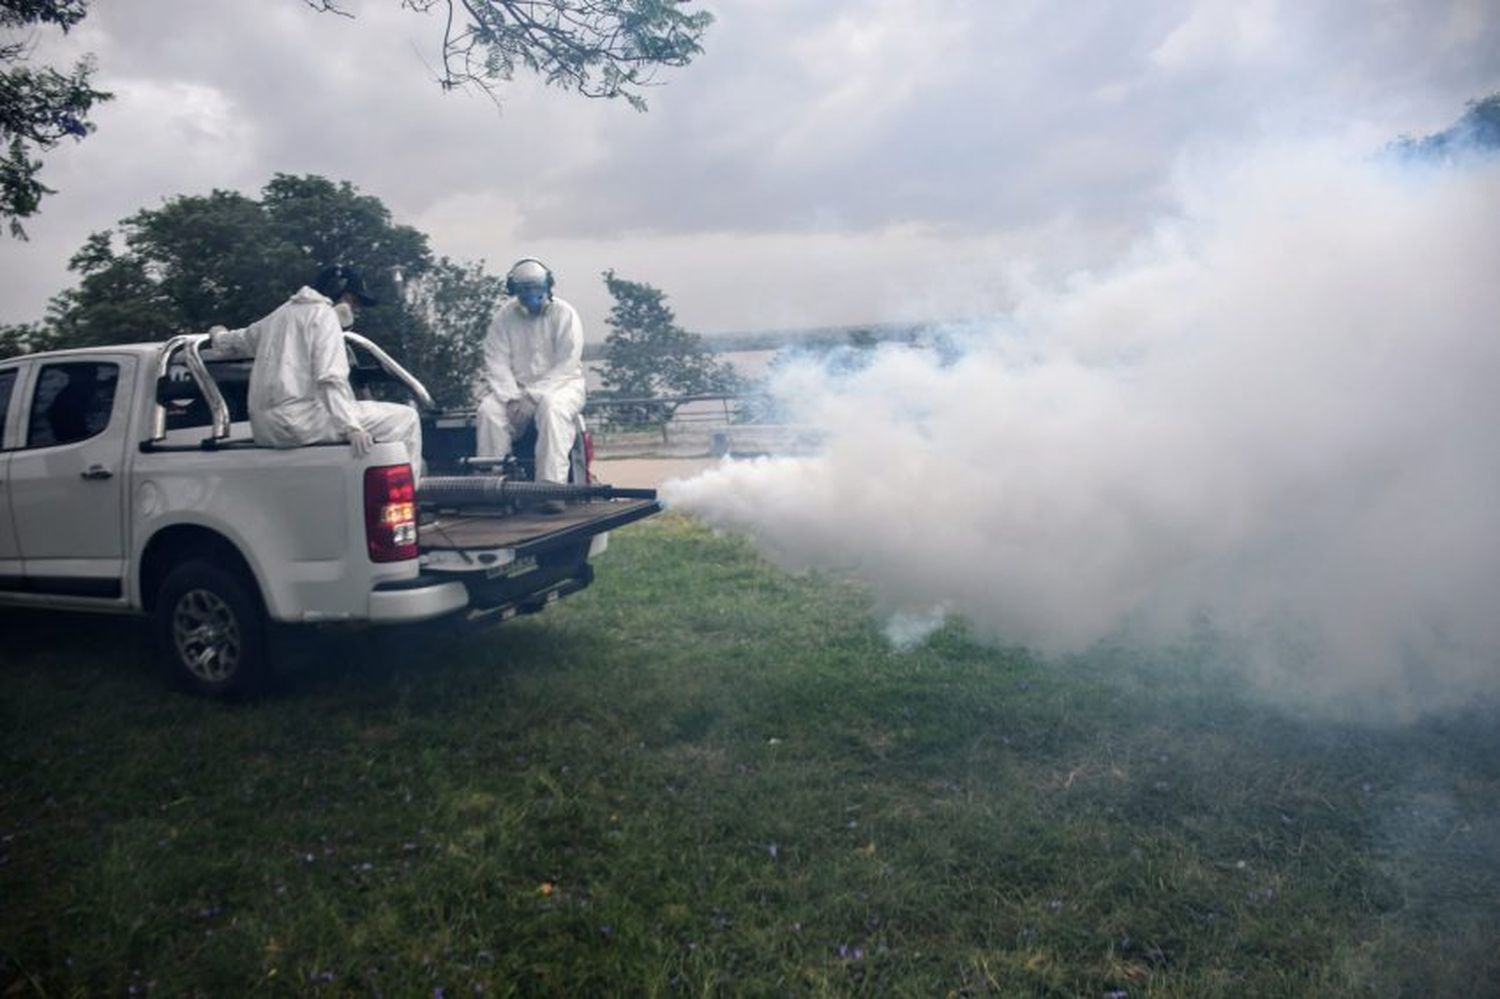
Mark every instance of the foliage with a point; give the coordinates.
(22, 338)
(1477, 130)
(449, 307)
(225, 258)
(38, 106)
(597, 48)
(704, 777)
(648, 356)
(117, 300)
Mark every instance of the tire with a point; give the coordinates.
(210, 630)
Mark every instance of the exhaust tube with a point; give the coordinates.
(493, 490)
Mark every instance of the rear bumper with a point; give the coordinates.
(518, 587)
(420, 599)
(490, 610)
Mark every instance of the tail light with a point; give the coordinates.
(390, 513)
(588, 456)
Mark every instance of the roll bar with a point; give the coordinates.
(189, 344)
(417, 389)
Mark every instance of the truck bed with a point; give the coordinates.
(529, 532)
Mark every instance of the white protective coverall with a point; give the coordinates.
(299, 385)
(538, 362)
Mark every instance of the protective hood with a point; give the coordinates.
(306, 295)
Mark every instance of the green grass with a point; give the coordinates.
(703, 777)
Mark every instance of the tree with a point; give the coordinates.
(39, 106)
(117, 300)
(450, 307)
(597, 48)
(648, 356)
(21, 338)
(228, 258)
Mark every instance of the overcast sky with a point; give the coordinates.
(824, 162)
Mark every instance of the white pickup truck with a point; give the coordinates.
(129, 484)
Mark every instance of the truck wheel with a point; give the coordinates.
(211, 630)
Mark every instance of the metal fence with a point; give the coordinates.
(713, 424)
(652, 411)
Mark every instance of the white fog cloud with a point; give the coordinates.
(1275, 415)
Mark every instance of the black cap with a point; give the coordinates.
(338, 280)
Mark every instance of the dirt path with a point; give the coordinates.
(648, 472)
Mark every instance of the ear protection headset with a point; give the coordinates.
(511, 288)
(338, 280)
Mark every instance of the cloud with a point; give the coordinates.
(1246, 32)
(797, 280)
(833, 123)
(863, 68)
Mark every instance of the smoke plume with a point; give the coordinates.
(1275, 420)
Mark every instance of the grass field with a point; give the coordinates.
(703, 777)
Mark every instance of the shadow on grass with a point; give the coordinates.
(380, 665)
(75, 648)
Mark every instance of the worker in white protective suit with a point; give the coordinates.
(299, 385)
(533, 373)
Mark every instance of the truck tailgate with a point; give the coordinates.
(528, 532)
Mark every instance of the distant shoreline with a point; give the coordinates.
(757, 340)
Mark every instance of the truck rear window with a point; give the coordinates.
(185, 405)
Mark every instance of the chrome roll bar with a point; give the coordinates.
(389, 364)
(189, 344)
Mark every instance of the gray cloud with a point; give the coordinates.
(853, 127)
(992, 115)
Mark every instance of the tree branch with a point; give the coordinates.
(328, 7)
(597, 48)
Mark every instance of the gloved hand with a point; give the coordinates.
(215, 337)
(519, 411)
(360, 442)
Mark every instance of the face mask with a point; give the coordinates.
(345, 312)
(533, 299)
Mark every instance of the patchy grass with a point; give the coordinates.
(704, 777)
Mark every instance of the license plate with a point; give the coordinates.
(510, 570)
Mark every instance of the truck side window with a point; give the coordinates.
(72, 402)
(7, 386)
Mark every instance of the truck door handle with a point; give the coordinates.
(96, 472)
